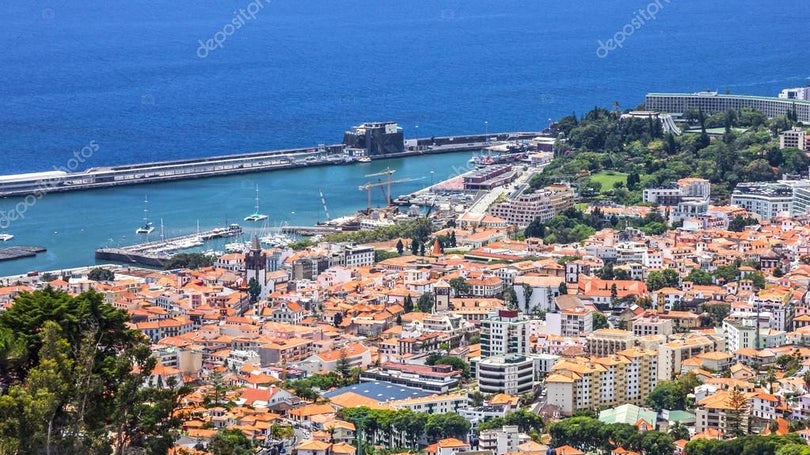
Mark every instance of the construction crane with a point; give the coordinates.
(388, 172)
(368, 186)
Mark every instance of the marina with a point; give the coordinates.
(156, 253)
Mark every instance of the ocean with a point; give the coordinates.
(149, 80)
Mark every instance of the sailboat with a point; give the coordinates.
(256, 216)
(147, 227)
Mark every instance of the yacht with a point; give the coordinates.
(147, 227)
(256, 216)
(6, 237)
(364, 159)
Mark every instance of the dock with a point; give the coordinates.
(163, 171)
(18, 252)
(157, 253)
(309, 231)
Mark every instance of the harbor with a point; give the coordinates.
(73, 225)
(363, 143)
(156, 253)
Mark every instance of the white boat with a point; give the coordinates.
(147, 227)
(365, 159)
(276, 240)
(236, 247)
(6, 237)
(256, 216)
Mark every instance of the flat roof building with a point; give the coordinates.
(711, 102)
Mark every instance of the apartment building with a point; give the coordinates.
(605, 342)
(522, 208)
(500, 442)
(672, 354)
(510, 374)
(651, 324)
(795, 138)
(574, 322)
(713, 412)
(594, 382)
(505, 332)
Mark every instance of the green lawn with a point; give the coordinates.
(581, 206)
(608, 178)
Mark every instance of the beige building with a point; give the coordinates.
(604, 342)
(670, 355)
(651, 324)
(594, 382)
(795, 138)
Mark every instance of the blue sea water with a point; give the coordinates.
(129, 77)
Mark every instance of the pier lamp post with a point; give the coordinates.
(486, 131)
(431, 177)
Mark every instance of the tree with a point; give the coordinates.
(101, 274)
(400, 247)
(425, 302)
(421, 249)
(679, 431)
(399, 319)
(563, 288)
(414, 247)
(452, 239)
(671, 277)
(76, 384)
(338, 319)
(230, 442)
(600, 321)
(460, 286)
(656, 281)
(342, 366)
(738, 223)
(407, 305)
(447, 425)
(699, 277)
(657, 443)
(189, 261)
(669, 395)
(736, 416)
(477, 398)
(254, 290)
(509, 297)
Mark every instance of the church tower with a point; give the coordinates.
(256, 265)
(441, 290)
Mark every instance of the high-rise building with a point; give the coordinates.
(504, 332)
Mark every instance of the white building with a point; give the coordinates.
(766, 199)
(500, 442)
(505, 332)
(510, 374)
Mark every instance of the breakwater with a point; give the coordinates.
(164, 171)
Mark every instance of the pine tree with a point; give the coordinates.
(408, 304)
